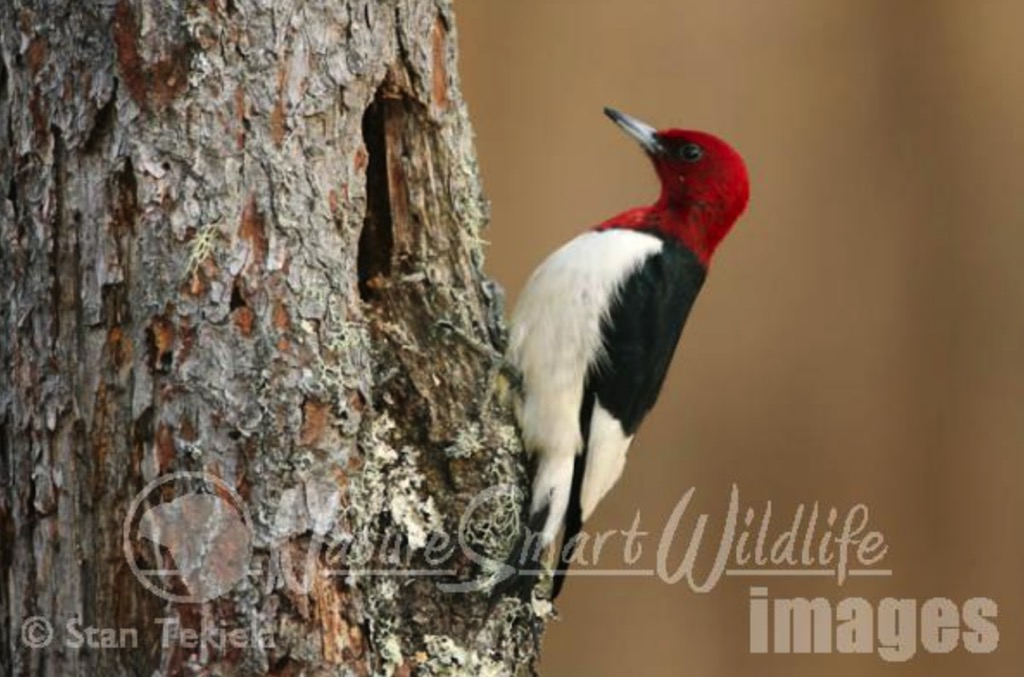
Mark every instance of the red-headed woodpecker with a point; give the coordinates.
(595, 328)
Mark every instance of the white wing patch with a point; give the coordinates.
(606, 457)
(556, 336)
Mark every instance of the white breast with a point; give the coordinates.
(555, 338)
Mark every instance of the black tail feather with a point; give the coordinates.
(527, 554)
(573, 525)
(574, 513)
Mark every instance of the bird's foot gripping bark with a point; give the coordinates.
(498, 363)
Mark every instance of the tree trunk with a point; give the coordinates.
(239, 244)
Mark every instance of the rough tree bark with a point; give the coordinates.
(232, 236)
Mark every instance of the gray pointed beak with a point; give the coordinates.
(646, 135)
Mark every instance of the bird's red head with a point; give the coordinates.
(704, 186)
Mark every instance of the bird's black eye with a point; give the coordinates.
(691, 152)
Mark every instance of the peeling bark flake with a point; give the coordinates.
(35, 56)
(153, 84)
(129, 60)
(253, 229)
(161, 335)
(439, 37)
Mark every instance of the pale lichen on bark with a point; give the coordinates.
(232, 230)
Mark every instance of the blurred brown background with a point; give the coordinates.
(861, 337)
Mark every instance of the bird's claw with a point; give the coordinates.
(499, 364)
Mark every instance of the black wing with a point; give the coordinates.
(640, 337)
